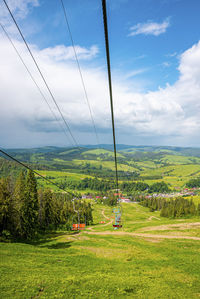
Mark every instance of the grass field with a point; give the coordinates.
(107, 165)
(174, 175)
(151, 257)
(59, 176)
(97, 152)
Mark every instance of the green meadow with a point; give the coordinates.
(150, 257)
(175, 166)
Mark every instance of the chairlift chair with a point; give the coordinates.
(118, 214)
(78, 226)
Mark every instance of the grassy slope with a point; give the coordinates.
(97, 152)
(105, 266)
(175, 169)
(178, 171)
(58, 176)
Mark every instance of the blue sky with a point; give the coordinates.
(155, 59)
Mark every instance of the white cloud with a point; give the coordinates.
(135, 73)
(170, 114)
(166, 64)
(150, 28)
(171, 54)
(62, 53)
(20, 9)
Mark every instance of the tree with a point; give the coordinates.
(198, 209)
(48, 208)
(6, 205)
(19, 198)
(30, 207)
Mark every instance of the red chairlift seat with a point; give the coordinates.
(76, 226)
(81, 226)
(117, 225)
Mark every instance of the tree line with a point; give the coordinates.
(173, 208)
(193, 183)
(26, 211)
(106, 185)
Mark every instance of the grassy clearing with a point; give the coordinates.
(146, 164)
(58, 176)
(174, 159)
(63, 174)
(107, 165)
(175, 175)
(97, 152)
(65, 265)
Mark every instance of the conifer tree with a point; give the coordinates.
(198, 209)
(30, 206)
(19, 198)
(7, 207)
(48, 208)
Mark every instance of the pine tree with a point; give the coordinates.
(48, 208)
(7, 207)
(198, 209)
(192, 210)
(4, 205)
(19, 198)
(164, 211)
(30, 206)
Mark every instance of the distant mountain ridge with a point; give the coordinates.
(187, 151)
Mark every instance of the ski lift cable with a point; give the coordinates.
(37, 173)
(32, 78)
(41, 74)
(44, 178)
(110, 86)
(80, 71)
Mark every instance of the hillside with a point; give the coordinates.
(151, 257)
(173, 165)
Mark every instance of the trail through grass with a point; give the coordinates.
(135, 262)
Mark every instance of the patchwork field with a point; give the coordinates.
(150, 257)
(175, 166)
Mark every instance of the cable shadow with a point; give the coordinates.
(60, 245)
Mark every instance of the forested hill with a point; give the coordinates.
(105, 150)
(150, 164)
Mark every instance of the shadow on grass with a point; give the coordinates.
(46, 238)
(60, 245)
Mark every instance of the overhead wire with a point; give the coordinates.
(42, 76)
(83, 84)
(32, 78)
(37, 173)
(110, 87)
(79, 69)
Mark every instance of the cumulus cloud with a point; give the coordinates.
(170, 114)
(61, 53)
(150, 28)
(19, 7)
(135, 73)
(166, 64)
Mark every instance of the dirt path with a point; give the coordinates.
(108, 223)
(153, 217)
(105, 215)
(179, 226)
(122, 233)
(145, 213)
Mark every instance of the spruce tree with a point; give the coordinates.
(198, 209)
(19, 198)
(7, 207)
(48, 208)
(4, 205)
(30, 206)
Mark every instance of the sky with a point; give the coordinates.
(155, 64)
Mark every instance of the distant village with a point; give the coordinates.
(184, 193)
